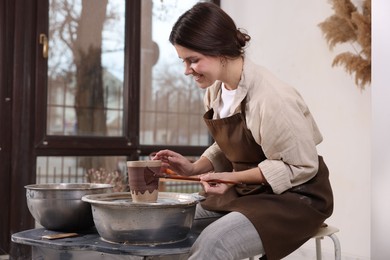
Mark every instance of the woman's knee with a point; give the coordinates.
(232, 236)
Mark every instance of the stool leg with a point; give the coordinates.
(318, 248)
(337, 246)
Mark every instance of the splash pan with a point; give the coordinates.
(120, 220)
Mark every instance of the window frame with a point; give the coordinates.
(128, 144)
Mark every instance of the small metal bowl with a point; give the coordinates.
(59, 206)
(120, 220)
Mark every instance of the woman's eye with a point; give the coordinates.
(190, 61)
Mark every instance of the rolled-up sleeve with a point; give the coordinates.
(217, 158)
(285, 129)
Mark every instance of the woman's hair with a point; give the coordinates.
(207, 29)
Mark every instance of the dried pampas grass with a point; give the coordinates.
(348, 24)
(115, 178)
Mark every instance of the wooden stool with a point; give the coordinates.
(323, 231)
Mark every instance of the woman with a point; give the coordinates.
(265, 140)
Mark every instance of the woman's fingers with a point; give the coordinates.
(171, 159)
(214, 188)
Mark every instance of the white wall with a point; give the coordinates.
(380, 224)
(286, 39)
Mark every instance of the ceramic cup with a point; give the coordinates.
(143, 180)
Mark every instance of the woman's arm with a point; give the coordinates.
(250, 176)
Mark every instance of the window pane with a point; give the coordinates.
(69, 169)
(171, 103)
(86, 67)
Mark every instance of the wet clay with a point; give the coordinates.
(142, 179)
(151, 175)
(143, 184)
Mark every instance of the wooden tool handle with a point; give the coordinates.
(180, 177)
(58, 236)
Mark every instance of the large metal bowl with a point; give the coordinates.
(59, 206)
(118, 219)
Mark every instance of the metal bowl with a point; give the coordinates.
(59, 206)
(120, 220)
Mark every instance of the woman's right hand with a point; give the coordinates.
(175, 162)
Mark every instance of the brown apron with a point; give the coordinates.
(284, 221)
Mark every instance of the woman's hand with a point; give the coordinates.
(215, 188)
(175, 162)
(212, 187)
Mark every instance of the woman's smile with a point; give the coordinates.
(196, 76)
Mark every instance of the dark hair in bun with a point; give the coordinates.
(207, 29)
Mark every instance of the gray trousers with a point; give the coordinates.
(224, 236)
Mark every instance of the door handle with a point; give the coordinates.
(45, 48)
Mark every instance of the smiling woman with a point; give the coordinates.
(265, 143)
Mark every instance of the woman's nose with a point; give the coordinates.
(188, 70)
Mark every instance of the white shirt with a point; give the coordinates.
(227, 97)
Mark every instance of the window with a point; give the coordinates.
(171, 105)
(85, 75)
(111, 87)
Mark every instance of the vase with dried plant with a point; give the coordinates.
(350, 24)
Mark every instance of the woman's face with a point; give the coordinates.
(204, 69)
